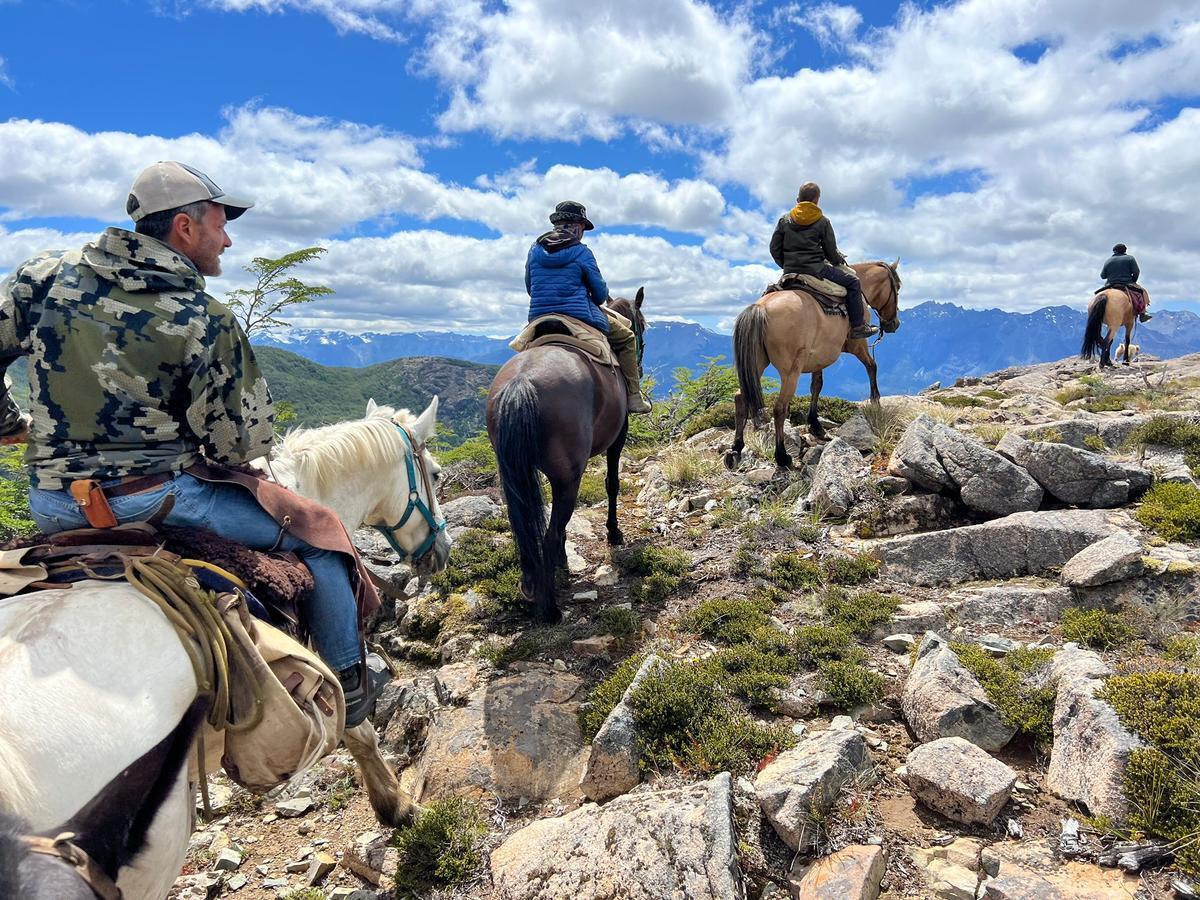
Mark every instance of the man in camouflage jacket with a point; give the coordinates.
(136, 373)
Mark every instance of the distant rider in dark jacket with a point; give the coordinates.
(804, 243)
(1120, 270)
(561, 276)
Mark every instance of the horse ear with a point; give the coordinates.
(896, 263)
(371, 407)
(426, 424)
(641, 295)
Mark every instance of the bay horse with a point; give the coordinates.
(550, 410)
(789, 330)
(1110, 310)
(95, 675)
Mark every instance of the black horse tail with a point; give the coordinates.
(518, 455)
(1095, 322)
(749, 355)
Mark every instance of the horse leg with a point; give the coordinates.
(733, 456)
(1128, 329)
(392, 805)
(815, 428)
(862, 353)
(1106, 354)
(787, 390)
(612, 483)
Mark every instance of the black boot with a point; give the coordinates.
(360, 692)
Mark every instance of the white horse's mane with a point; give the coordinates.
(320, 456)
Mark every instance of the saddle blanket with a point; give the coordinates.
(830, 296)
(1135, 292)
(559, 329)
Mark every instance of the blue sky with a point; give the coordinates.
(998, 148)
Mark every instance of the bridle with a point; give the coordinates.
(414, 461)
(894, 280)
(64, 847)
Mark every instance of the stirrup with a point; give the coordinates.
(863, 331)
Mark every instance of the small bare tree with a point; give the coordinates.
(275, 290)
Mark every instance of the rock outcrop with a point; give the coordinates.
(674, 843)
(613, 766)
(1115, 558)
(837, 480)
(1075, 476)
(957, 779)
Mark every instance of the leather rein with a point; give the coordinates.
(64, 848)
(414, 461)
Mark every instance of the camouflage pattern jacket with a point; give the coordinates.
(133, 368)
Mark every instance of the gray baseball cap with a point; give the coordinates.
(169, 185)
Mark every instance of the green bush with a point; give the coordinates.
(618, 621)
(1169, 431)
(1172, 510)
(470, 463)
(793, 572)
(860, 613)
(1097, 628)
(816, 644)
(685, 719)
(1010, 684)
(727, 621)
(959, 401)
(663, 570)
(484, 562)
(442, 848)
(849, 685)
(15, 518)
(1095, 443)
(1162, 708)
(1184, 648)
(529, 644)
(752, 671)
(606, 695)
(1164, 801)
(850, 569)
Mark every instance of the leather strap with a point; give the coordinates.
(71, 853)
(136, 485)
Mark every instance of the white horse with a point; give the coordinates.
(93, 676)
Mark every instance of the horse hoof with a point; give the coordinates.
(615, 537)
(732, 460)
(551, 615)
(784, 463)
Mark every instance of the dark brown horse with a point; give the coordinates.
(550, 410)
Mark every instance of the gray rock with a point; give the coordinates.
(1091, 746)
(1021, 544)
(469, 511)
(1075, 476)
(838, 479)
(915, 617)
(674, 843)
(942, 699)
(808, 778)
(852, 873)
(227, 860)
(1005, 604)
(614, 764)
(899, 643)
(856, 431)
(291, 809)
(892, 485)
(903, 515)
(959, 780)
(1115, 558)
(938, 458)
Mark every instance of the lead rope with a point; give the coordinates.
(217, 658)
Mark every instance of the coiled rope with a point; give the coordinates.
(218, 659)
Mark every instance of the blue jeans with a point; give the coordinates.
(330, 613)
(854, 304)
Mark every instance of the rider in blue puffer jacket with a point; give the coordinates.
(561, 276)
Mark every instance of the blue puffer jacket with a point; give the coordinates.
(567, 281)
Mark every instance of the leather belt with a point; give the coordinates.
(135, 484)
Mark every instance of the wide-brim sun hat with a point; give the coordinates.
(571, 211)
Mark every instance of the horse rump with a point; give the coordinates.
(1092, 343)
(518, 446)
(749, 353)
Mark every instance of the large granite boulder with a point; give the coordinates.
(942, 699)
(808, 779)
(1079, 477)
(1115, 558)
(959, 780)
(513, 737)
(1091, 746)
(1002, 605)
(673, 843)
(936, 457)
(1021, 544)
(838, 479)
(614, 764)
(852, 873)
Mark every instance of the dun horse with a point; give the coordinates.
(550, 410)
(95, 675)
(789, 330)
(1109, 310)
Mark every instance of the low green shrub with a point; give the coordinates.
(1170, 431)
(606, 695)
(484, 562)
(687, 466)
(1184, 648)
(1097, 628)
(793, 572)
(15, 517)
(850, 685)
(618, 621)
(859, 613)
(1172, 510)
(849, 569)
(992, 394)
(591, 488)
(752, 671)
(529, 644)
(1095, 443)
(1010, 683)
(727, 621)
(1162, 708)
(663, 570)
(959, 401)
(442, 848)
(816, 644)
(471, 464)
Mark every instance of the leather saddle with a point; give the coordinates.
(829, 296)
(568, 332)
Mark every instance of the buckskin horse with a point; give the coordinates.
(1111, 310)
(790, 330)
(550, 410)
(95, 675)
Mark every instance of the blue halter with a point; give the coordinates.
(415, 504)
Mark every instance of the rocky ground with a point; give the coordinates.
(884, 673)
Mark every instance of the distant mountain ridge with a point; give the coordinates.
(936, 342)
